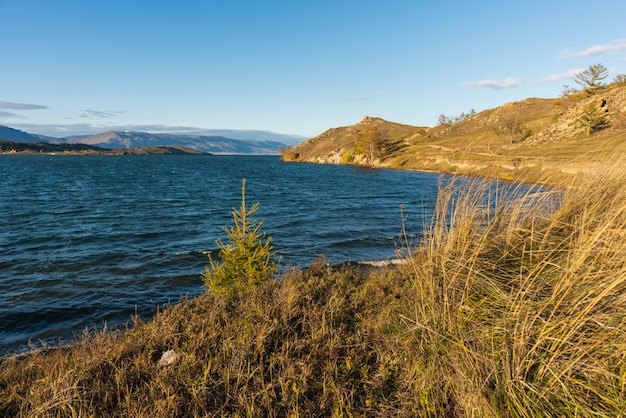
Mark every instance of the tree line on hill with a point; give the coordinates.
(592, 119)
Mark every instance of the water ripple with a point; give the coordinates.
(88, 239)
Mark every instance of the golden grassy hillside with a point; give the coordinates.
(528, 140)
(338, 145)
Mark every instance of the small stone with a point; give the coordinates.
(168, 358)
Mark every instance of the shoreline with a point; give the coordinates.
(363, 267)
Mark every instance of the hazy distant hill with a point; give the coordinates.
(212, 144)
(204, 143)
(15, 135)
(13, 147)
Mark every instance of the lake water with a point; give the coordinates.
(88, 239)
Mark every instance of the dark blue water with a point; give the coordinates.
(88, 239)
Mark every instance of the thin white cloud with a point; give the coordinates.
(507, 83)
(615, 46)
(88, 113)
(4, 114)
(21, 106)
(561, 76)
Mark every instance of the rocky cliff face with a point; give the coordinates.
(607, 106)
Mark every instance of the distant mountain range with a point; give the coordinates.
(11, 147)
(127, 139)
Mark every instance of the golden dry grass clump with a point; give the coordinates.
(506, 308)
(524, 315)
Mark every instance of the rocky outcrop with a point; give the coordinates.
(608, 105)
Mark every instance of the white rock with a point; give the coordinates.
(168, 358)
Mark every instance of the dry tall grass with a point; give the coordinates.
(512, 309)
(523, 315)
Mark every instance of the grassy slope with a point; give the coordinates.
(555, 142)
(331, 145)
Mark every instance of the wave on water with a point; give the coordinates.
(383, 263)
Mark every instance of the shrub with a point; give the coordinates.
(247, 259)
(555, 117)
(347, 158)
(592, 120)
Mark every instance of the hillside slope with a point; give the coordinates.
(524, 140)
(15, 135)
(369, 142)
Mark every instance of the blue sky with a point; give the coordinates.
(291, 67)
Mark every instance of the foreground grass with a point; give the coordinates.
(515, 311)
